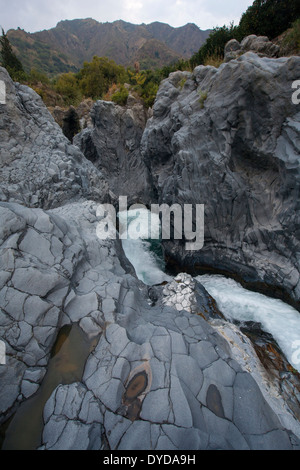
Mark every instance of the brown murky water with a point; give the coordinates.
(24, 429)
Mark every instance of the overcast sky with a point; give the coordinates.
(35, 15)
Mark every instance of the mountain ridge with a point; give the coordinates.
(66, 46)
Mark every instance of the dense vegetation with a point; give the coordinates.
(269, 17)
(264, 18)
(102, 78)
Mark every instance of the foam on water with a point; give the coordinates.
(235, 302)
(275, 316)
(138, 248)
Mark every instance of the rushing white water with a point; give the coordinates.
(275, 316)
(139, 249)
(235, 302)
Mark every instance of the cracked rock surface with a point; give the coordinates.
(258, 44)
(158, 378)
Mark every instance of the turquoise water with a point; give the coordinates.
(144, 253)
(66, 365)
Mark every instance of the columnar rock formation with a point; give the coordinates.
(39, 166)
(229, 138)
(158, 375)
(112, 143)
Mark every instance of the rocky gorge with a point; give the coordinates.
(100, 359)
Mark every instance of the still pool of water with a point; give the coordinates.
(66, 365)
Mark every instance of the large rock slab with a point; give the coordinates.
(158, 389)
(112, 143)
(229, 139)
(38, 165)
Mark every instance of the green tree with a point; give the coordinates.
(120, 97)
(97, 76)
(137, 78)
(269, 17)
(149, 94)
(67, 85)
(9, 59)
(264, 18)
(35, 77)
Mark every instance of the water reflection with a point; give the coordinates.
(66, 365)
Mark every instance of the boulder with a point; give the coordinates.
(258, 44)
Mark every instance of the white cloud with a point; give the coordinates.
(34, 15)
(131, 10)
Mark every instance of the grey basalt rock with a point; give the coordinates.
(112, 143)
(147, 373)
(258, 44)
(73, 420)
(38, 165)
(33, 271)
(154, 395)
(228, 139)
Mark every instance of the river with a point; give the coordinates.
(235, 302)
